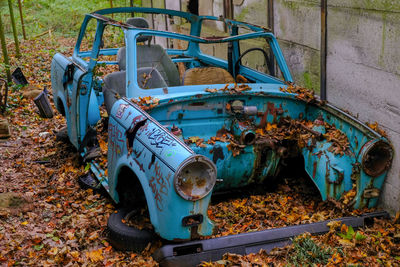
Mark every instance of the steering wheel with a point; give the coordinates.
(266, 57)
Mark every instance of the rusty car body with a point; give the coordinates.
(177, 142)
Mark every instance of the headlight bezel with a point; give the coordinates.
(182, 187)
(376, 149)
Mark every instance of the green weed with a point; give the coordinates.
(308, 253)
(62, 17)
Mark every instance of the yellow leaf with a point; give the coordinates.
(53, 251)
(103, 146)
(346, 243)
(259, 131)
(93, 236)
(24, 223)
(70, 234)
(333, 225)
(74, 254)
(95, 255)
(270, 126)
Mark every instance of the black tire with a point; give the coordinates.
(124, 237)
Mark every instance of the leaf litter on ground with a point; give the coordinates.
(49, 220)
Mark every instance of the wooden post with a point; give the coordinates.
(22, 19)
(131, 5)
(111, 6)
(4, 49)
(18, 53)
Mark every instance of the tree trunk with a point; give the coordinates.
(22, 19)
(4, 49)
(18, 53)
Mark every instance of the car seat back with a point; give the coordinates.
(153, 56)
(207, 75)
(114, 83)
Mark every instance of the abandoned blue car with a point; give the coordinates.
(211, 108)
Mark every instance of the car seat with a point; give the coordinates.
(148, 76)
(115, 83)
(207, 75)
(150, 55)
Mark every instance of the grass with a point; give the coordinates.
(308, 253)
(62, 17)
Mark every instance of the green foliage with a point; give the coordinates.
(308, 253)
(62, 17)
(350, 234)
(87, 167)
(359, 237)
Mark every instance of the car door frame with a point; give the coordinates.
(84, 85)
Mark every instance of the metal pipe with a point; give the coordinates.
(270, 14)
(271, 26)
(18, 53)
(324, 46)
(131, 5)
(166, 23)
(22, 19)
(152, 21)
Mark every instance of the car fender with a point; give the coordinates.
(154, 154)
(122, 162)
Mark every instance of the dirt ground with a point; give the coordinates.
(46, 219)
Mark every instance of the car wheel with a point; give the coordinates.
(124, 237)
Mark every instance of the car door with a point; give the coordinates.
(66, 76)
(81, 90)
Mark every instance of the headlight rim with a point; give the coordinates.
(368, 148)
(193, 159)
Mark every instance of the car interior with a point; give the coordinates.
(156, 69)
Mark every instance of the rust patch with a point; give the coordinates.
(315, 164)
(218, 153)
(197, 104)
(271, 109)
(222, 131)
(139, 164)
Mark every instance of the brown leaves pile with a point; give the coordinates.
(304, 94)
(287, 129)
(56, 223)
(295, 202)
(195, 140)
(339, 141)
(146, 102)
(236, 89)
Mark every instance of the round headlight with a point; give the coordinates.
(195, 178)
(377, 158)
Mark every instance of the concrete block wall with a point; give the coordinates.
(297, 27)
(363, 69)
